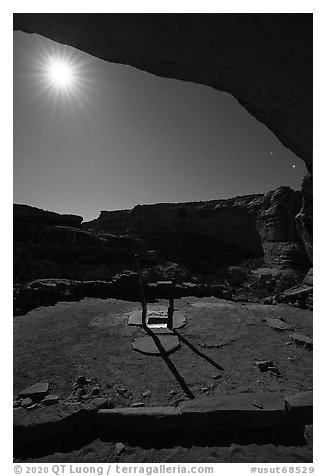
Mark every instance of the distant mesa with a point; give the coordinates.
(26, 213)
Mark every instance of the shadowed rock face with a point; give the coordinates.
(263, 60)
(51, 245)
(304, 218)
(37, 216)
(259, 225)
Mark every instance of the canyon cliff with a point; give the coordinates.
(263, 60)
(257, 226)
(242, 248)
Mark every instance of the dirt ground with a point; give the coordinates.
(219, 346)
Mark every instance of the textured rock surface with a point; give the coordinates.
(49, 245)
(264, 60)
(49, 422)
(139, 419)
(304, 219)
(257, 225)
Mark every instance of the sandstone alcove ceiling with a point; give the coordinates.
(263, 60)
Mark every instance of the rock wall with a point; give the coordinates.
(304, 219)
(116, 222)
(263, 60)
(28, 214)
(46, 247)
(258, 225)
(227, 222)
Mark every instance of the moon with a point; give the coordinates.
(60, 73)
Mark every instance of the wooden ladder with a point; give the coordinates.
(143, 302)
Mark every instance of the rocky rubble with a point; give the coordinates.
(300, 296)
(237, 283)
(47, 292)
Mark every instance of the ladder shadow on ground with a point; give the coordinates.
(196, 351)
(170, 364)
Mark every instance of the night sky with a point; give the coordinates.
(121, 137)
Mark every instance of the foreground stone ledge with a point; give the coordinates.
(300, 406)
(225, 413)
(231, 412)
(46, 423)
(152, 419)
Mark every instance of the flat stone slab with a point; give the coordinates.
(297, 291)
(146, 345)
(179, 319)
(152, 419)
(50, 399)
(135, 318)
(36, 391)
(302, 340)
(230, 412)
(278, 324)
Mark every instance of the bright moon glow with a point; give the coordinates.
(60, 73)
